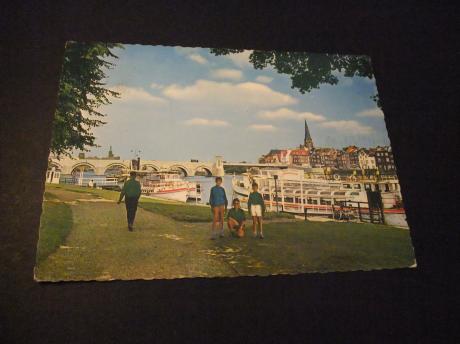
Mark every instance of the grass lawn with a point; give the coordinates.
(175, 210)
(55, 225)
(172, 241)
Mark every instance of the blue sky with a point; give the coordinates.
(183, 103)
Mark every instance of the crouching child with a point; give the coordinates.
(235, 219)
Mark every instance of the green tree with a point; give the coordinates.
(308, 70)
(81, 93)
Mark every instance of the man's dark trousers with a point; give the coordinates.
(131, 207)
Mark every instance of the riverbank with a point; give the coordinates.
(98, 245)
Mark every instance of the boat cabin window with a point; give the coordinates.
(312, 193)
(327, 193)
(322, 201)
(356, 186)
(346, 186)
(355, 194)
(339, 193)
(367, 186)
(387, 187)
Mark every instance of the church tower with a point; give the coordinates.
(308, 141)
(110, 155)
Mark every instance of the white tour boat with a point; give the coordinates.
(295, 193)
(167, 185)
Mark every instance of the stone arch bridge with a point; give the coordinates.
(67, 165)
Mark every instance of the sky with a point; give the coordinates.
(185, 103)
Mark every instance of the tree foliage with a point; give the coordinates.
(308, 70)
(81, 93)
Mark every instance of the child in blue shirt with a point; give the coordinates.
(218, 202)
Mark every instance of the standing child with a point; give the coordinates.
(256, 207)
(218, 202)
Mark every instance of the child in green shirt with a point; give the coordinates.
(235, 219)
(256, 207)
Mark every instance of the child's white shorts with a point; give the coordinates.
(256, 210)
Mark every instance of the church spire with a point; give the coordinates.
(308, 141)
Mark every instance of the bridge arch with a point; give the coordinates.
(115, 167)
(150, 167)
(203, 168)
(85, 166)
(181, 169)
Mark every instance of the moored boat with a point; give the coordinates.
(166, 185)
(290, 191)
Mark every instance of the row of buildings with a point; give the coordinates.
(378, 158)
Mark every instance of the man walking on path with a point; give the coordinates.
(131, 192)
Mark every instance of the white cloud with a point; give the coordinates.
(343, 80)
(373, 113)
(285, 113)
(192, 54)
(207, 122)
(368, 80)
(156, 86)
(245, 94)
(350, 127)
(346, 81)
(186, 50)
(198, 58)
(264, 79)
(240, 59)
(135, 94)
(262, 127)
(231, 74)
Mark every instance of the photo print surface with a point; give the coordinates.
(176, 162)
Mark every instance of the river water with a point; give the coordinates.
(208, 182)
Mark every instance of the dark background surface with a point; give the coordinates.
(414, 48)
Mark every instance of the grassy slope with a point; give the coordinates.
(55, 225)
(100, 247)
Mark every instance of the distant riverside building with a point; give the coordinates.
(316, 159)
(343, 160)
(347, 158)
(285, 156)
(300, 157)
(271, 158)
(324, 157)
(367, 159)
(384, 159)
(352, 152)
(110, 156)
